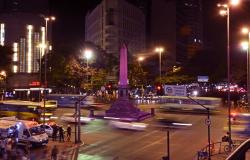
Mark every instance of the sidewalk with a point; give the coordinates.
(66, 150)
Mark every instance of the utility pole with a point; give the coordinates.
(208, 123)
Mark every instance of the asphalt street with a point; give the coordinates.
(102, 141)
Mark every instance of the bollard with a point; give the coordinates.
(152, 111)
(91, 113)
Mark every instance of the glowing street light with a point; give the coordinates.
(245, 45)
(88, 54)
(159, 50)
(140, 59)
(245, 30)
(235, 2)
(3, 73)
(225, 11)
(47, 19)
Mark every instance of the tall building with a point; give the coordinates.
(21, 21)
(114, 22)
(20, 27)
(177, 25)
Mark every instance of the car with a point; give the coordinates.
(48, 129)
(128, 125)
(172, 123)
(70, 118)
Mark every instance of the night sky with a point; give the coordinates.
(69, 26)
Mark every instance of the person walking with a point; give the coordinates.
(54, 153)
(68, 133)
(54, 134)
(9, 147)
(61, 134)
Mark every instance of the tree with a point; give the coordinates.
(136, 75)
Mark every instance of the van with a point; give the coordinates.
(27, 131)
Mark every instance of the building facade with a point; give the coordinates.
(21, 22)
(114, 22)
(24, 37)
(178, 26)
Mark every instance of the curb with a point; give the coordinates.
(76, 151)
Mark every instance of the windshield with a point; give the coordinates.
(36, 130)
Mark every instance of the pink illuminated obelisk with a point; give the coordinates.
(123, 79)
(122, 108)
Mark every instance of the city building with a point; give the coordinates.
(22, 26)
(177, 26)
(114, 22)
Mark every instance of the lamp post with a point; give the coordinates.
(159, 50)
(42, 48)
(245, 46)
(140, 59)
(88, 55)
(225, 11)
(208, 123)
(3, 75)
(47, 19)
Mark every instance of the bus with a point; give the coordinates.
(26, 109)
(182, 103)
(185, 103)
(65, 100)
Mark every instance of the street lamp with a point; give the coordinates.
(42, 47)
(88, 54)
(159, 50)
(3, 76)
(140, 59)
(225, 11)
(47, 19)
(245, 46)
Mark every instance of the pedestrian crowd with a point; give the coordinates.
(58, 131)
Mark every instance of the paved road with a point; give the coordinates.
(103, 141)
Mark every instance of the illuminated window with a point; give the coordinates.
(2, 34)
(29, 48)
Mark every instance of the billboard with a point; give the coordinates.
(175, 90)
(203, 78)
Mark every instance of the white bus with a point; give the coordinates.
(184, 103)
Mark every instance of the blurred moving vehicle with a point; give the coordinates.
(240, 123)
(71, 118)
(171, 123)
(128, 125)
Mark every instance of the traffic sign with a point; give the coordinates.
(207, 122)
(102, 88)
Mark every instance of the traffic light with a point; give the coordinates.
(159, 90)
(109, 88)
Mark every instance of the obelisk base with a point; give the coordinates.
(123, 109)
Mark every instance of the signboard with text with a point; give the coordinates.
(202, 78)
(175, 90)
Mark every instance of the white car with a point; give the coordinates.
(48, 129)
(70, 118)
(129, 125)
